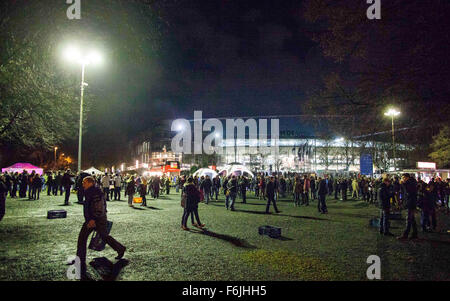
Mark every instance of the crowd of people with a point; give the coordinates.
(390, 194)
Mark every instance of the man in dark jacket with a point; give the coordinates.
(385, 194)
(94, 209)
(216, 186)
(313, 188)
(50, 183)
(23, 180)
(206, 187)
(243, 187)
(322, 192)
(270, 193)
(410, 189)
(66, 182)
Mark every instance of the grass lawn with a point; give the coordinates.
(334, 246)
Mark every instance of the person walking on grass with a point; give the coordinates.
(191, 196)
(94, 209)
(130, 191)
(298, 191)
(410, 189)
(270, 193)
(206, 187)
(385, 194)
(306, 187)
(216, 186)
(322, 193)
(142, 189)
(105, 185)
(36, 187)
(66, 182)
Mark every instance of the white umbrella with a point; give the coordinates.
(93, 170)
(205, 172)
(237, 170)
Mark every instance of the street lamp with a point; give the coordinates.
(75, 55)
(393, 113)
(55, 155)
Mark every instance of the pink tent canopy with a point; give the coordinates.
(19, 167)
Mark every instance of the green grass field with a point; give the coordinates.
(334, 246)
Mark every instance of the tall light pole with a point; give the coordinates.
(73, 54)
(393, 113)
(55, 155)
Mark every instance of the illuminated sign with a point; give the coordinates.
(427, 165)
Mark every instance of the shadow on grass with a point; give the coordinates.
(286, 215)
(153, 208)
(233, 240)
(304, 217)
(106, 269)
(352, 215)
(282, 238)
(137, 208)
(251, 211)
(26, 200)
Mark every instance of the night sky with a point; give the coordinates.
(225, 58)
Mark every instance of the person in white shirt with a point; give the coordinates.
(105, 185)
(117, 184)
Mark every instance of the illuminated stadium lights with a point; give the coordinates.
(393, 113)
(74, 54)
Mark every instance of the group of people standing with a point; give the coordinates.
(18, 185)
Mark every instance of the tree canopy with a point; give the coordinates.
(39, 92)
(400, 60)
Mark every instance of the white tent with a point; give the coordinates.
(236, 170)
(205, 172)
(93, 170)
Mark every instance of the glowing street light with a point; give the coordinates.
(393, 113)
(74, 54)
(56, 148)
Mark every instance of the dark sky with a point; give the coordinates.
(226, 58)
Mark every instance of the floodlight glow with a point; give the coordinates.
(94, 58)
(72, 54)
(392, 112)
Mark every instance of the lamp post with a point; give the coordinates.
(55, 155)
(393, 113)
(73, 54)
